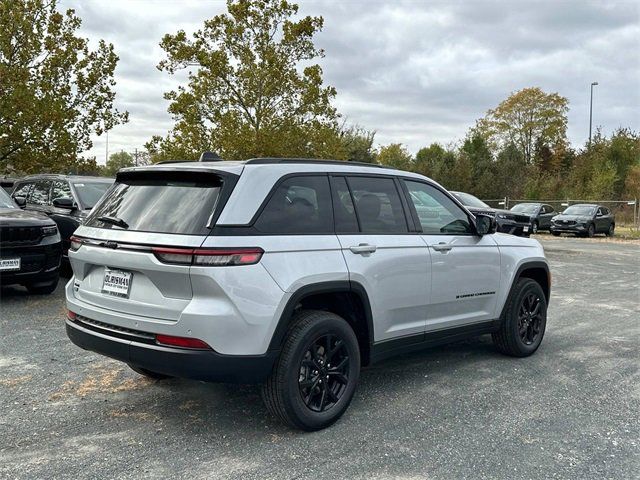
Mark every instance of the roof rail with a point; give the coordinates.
(273, 160)
(173, 161)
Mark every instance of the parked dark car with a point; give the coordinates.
(539, 213)
(67, 199)
(7, 183)
(30, 248)
(507, 221)
(584, 220)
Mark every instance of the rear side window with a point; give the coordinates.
(343, 209)
(40, 193)
(298, 205)
(378, 205)
(180, 203)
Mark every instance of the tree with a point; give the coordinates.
(394, 155)
(54, 91)
(256, 91)
(530, 119)
(116, 162)
(358, 144)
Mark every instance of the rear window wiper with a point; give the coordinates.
(118, 222)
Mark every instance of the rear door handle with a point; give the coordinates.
(363, 248)
(442, 247)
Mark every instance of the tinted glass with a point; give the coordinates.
(378, 205)
(299, 205)
(5, 200)
(548, 209)
(436, 211)
(469, 200)
(60, 189)
(345, 214)
(40, 193)
(180, 204)
(22, 190)
(90, 192)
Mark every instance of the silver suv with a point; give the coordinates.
(293, 274)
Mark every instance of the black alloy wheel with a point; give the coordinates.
(324, 373)
(530, 318)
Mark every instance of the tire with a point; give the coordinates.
(611, 231)
(534, 227)
(149, 373)
(518, 336)
(555, 234)
(43, 289)
(306, 407)
(591, 231)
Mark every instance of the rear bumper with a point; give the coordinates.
(205, 365)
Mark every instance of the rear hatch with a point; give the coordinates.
(122, 255)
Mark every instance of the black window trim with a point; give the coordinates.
(34, 183)
(414, 212)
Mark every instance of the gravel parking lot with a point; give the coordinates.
(570, 411)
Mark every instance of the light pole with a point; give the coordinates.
(591, 111)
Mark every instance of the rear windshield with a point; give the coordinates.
(90, 192)
(181, 204)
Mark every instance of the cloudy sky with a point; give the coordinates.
(417, 72)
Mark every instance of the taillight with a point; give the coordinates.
(209, 257)
(183, 342)
(76, 243)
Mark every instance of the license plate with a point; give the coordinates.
(8, 264)
(116, 282)
(525, 229)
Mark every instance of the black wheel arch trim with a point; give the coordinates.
(337, 286)
(532, 265)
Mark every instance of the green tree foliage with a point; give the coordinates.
(529, 119)
(256, 91)
(358, 144)
(116, 162)
(394, 155)
(54, 91)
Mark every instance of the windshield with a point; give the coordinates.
(526, 208)
(469, 200)
(90, 192)
(183, 203)
(580, 210)
(5, 200)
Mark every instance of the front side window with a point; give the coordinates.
(378, 205)
(181, 203)
(298, 205)
(40, 193)
(438, 214)
(60, 189)
(90, 192)
(22, 190)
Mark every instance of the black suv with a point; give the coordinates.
(540, 214)
(67, 199)
(585, 220)
(507, 221)
(30, 248)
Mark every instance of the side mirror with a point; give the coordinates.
(20, 201)
(485, 224)
(64, 202)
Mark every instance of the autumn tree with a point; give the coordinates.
(117, 161)
(255, 89)
(394, 155)
(55, 92)
(529, 119)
